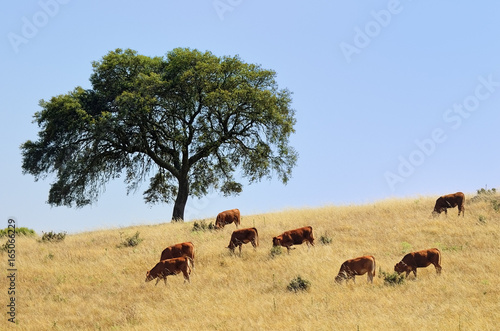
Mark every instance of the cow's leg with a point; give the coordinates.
(370, 277)
(438, 268)
(186, 275)
(157, 280)
(240, 248)
(165, 280)
(415, 272)
(254, 244)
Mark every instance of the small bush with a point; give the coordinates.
(325, 240)
(391, 278)
(275, 250)
(495, 204)
(406, 247)
(53, 237)
(131, 241)
(203, 226)
(482, 219)
(299, 284)
(19, 231)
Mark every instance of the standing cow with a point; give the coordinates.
(178, 250)
(450, 201)
(420, 259)
(243, 236)
(227, 217)
(357, 267)
(294, 237)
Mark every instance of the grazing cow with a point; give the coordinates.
(357, 267)
(178, 250)
(420, 259)
(227, 217)
(243, 236)
(170, 267)
(295, 237)
(450, 201)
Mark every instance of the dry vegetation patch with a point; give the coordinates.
(89, 281)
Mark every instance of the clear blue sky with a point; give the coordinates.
(392, 98)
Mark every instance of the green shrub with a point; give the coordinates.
(482, 219)
(53, 237)
(131, 241)
(203, 226)
(299, 284)
(275, 250)
(325, 240)
(19, 231)
(406, 247)
(391, 278)
(496, 205)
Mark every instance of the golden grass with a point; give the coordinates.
(87, 282)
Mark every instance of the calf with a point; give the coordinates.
(450, 201)
(227, 217)
(357, 267)
(170, 267)
(243, 236)
(420, 259)
(294, 237)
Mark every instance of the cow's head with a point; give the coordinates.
(219, 224)
(277, 240)
(341, 277)
(149, 277)
(401, 267)
(231, 246)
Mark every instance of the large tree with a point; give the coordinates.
(187, 121)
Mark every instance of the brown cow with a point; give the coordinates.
(420, 259)
(243, 236)
(357, 267)
(295, 237)
(450, 201)
(227, 217)
(170, 267)
(178, 250)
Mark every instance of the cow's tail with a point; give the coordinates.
(374, 267)
(256, 237)
(190, 262)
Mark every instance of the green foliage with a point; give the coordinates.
(482, 219)
(275, 251)
(19, 231)
(298, 284)
(495, 204)
(53, 236)
(391, 278)
(406, 247)
(449, 248)
(131, 241)
(325, 239)
(185, 122)
(203, 226)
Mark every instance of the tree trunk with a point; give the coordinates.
(180, 201)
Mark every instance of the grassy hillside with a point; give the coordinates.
(88, 282)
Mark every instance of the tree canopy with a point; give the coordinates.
(188, 122)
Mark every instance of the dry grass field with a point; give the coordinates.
(87, 282)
